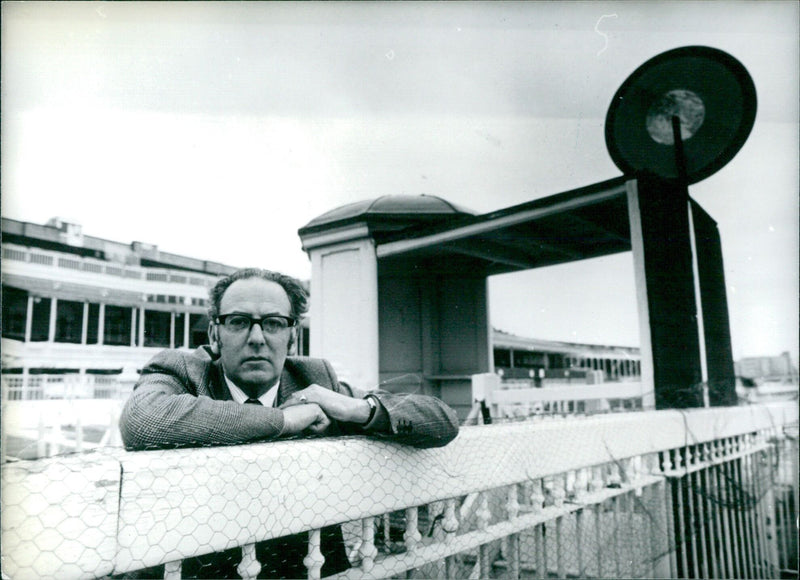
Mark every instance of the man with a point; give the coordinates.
(244, 387)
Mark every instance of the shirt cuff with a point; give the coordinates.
(380, 421)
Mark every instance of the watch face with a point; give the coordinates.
(701, 93)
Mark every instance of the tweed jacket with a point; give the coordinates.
(182, 400)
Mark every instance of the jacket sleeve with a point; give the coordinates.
(170, 407)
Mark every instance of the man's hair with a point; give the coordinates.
(298, 297)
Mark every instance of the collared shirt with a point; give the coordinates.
(267, 399)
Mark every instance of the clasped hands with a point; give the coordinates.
(311, 410)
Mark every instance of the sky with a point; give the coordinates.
(217, 130)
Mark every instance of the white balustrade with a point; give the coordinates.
(594, 485)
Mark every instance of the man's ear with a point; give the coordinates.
(213, 338)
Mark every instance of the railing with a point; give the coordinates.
(45, 415)
(44, 428)
(519, 399)
(525, 401)
(66, 386)
(706, 492)
(57, 260)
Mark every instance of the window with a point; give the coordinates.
(15, 311)
(180, 323)
(117, 327)
(136, 327)
(69, 321)
(502, 357)
(93, 324)
(40, 327)
(156, 328)
(198, 330)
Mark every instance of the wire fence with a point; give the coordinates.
(701, 493)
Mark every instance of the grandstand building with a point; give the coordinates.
(76, 304)
(516, 357)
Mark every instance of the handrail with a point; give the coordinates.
(114, 511)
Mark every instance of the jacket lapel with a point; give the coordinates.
(216, 383)
(289, 384)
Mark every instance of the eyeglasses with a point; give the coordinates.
(270, 324)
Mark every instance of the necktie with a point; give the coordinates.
(253, 402)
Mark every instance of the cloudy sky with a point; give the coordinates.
(216, 130)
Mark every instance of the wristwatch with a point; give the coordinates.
(373, 408)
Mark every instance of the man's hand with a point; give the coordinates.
(335, 405)
(304, 418)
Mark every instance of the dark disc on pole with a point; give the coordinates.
(711, 94)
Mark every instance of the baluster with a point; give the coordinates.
(559, 548)
(730, 520)
(645, 464)
(569, 483)
(172, 570)
(412, 535)
(666, 461)
(631, 507)
(598, 537)
(637, 470)
(512, 502)
(624, 470)
(539, 551)
(656, 463)
(691, 502)
(537, 496)
(450, 526)
(612, 475)
(512, 509)
(720, 544)
(579, 517)
(638, 467)
(483, 515)
(387, 530)
(597, 478)
(368, 550)
(249, 567)
(615, 536)
(435, 511)
(580, 485)
(678, 456)
(450, 521)
(559, 493)
(314, 559)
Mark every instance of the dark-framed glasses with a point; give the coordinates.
(270, 324)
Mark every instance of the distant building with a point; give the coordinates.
(516, 357)
(768, 368)
(78, 304)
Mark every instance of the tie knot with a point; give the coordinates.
(253, 402)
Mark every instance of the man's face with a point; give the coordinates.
(252, 359)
